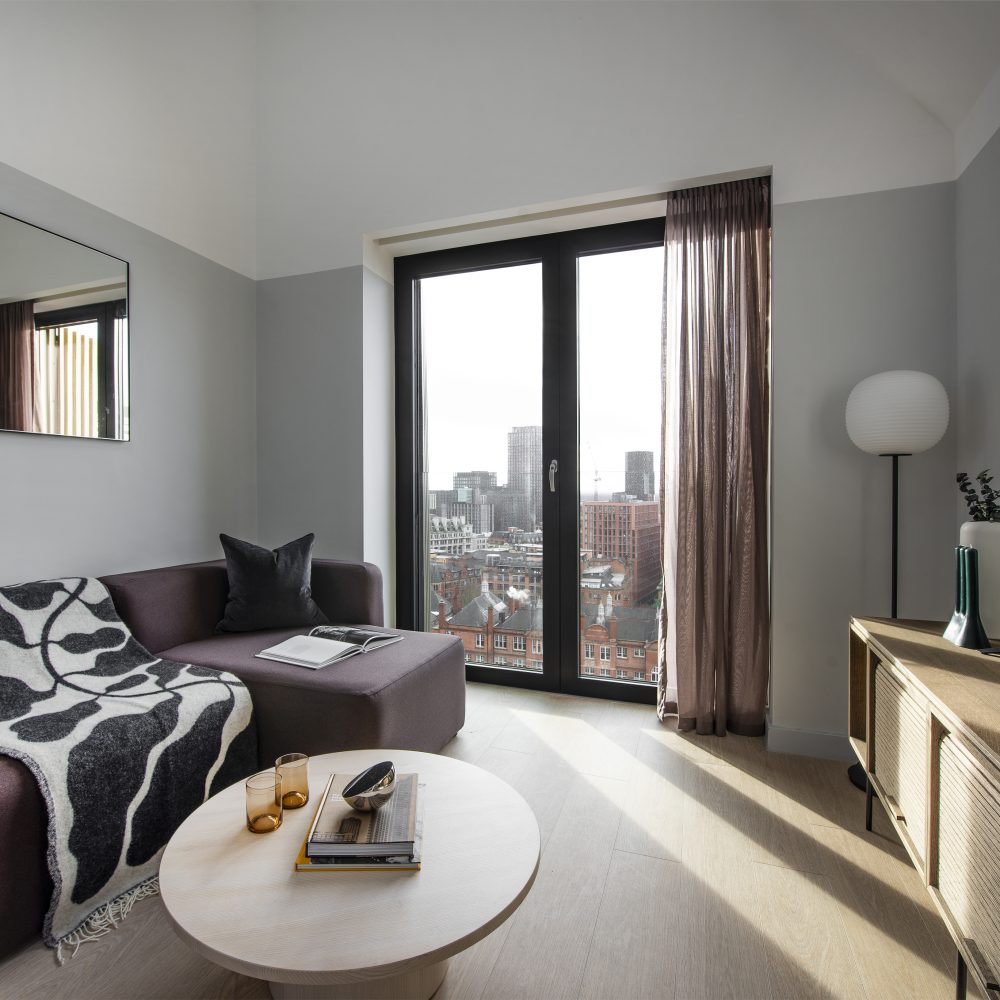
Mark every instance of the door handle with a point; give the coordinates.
(553, 469)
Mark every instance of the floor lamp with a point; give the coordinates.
(894, 415)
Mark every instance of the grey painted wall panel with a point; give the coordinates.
(309, 415)
(380, 433)
(89, 507)
(978, 266)
(861, 285)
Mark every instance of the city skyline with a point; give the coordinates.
(482, 336)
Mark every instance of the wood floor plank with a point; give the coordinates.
(576, 738)
(636, 950)
(809, 946)
(142, 958)
(653, 813)
(727, 955)
(469, 971)
(899, 955)
(549, 940)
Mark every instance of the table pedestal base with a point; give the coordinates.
(420, 984)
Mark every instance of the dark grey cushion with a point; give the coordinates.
(269, 588)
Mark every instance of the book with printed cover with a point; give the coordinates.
(328, 644)
(338, 831)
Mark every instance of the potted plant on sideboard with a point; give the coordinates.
(983, 534)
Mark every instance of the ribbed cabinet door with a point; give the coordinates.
(901, 753)
(969, 850)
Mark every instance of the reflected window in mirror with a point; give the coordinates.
(64, 355)
(81, 356)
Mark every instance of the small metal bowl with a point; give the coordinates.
(371, 789)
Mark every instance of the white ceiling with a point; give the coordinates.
(270, 137)
(941, 54)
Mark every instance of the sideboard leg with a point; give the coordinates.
(961, 978)
(869, 794)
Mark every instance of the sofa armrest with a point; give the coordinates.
(349, 593)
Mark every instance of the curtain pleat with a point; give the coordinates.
(715, 617)
(18, 376)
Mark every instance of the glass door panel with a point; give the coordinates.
(481, 336)
(619, 305)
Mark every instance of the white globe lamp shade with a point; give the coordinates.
(897, 413)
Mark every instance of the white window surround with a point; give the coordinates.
(380, 249)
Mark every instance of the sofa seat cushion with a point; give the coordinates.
(409, 696)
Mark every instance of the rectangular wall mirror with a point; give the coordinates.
(63, 336)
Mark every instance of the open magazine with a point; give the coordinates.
(328, 644)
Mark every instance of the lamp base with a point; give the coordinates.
(858, 777)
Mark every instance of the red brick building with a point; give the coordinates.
(618, 643)
(628, 531)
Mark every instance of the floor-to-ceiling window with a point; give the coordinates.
(528, 420)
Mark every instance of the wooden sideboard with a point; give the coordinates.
(925, 724)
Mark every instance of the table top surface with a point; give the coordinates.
(235, 896)
(963, 682)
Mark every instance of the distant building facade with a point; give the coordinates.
(640, 479)
(524, 476)
(485, 482)
(628, 531)
(618, 643)
(450, 536)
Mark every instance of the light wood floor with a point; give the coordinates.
(672, 866)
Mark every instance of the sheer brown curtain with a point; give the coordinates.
(18, 378)
(715, 619)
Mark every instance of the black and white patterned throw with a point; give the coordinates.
(124, 746)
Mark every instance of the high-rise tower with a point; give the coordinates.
(640, 480)
(525, 475)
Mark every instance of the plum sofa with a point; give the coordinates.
(410, 695)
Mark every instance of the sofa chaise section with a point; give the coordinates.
(410, 695)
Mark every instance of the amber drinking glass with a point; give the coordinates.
(264, 802)
(294, 771)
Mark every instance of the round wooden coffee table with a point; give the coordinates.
(236, 898)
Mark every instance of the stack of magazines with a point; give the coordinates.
(342, 839)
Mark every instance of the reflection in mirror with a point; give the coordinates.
(63, 336)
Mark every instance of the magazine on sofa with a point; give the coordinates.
(328, 644)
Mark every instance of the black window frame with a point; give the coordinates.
(558, 254)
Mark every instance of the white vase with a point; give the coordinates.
(984, 537)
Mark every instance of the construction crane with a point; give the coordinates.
(597, 474)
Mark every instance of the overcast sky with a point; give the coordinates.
(482, 337)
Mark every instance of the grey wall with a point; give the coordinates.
(380, 433)
(309, 416)
(978, 270)
(861, 285)
(89, 507)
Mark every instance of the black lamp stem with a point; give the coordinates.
(895, 534)
(856, 772)
(895, 525)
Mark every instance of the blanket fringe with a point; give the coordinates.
(106, 917)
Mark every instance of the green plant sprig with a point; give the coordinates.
(983, 505)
